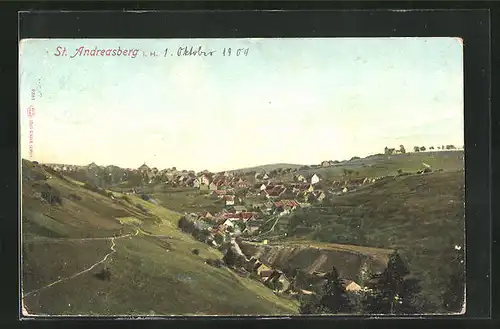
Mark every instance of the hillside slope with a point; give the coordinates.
(383, 165)
(422, 216)
(267, 168)
(70, 233)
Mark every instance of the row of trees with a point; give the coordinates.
(394, 291)
(402, 150)
(443, 147)
(390, 151)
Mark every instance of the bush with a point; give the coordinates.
(196, 251)
(73, 196)
(215, 263)
(126, 198)
(51, 195)
(92, 187)
(51, 198)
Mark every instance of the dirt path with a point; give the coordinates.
(113, 250)
(45, 239)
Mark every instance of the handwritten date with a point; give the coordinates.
(202, 52)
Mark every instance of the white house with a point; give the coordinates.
(263, 187)
(314, 179)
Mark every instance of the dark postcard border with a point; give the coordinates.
(472, 26)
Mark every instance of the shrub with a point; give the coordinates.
(73, 196)
(51, 198)
(215, 262)
(196, 251)
(92, 187)
(51, 195)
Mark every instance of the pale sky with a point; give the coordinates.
(288, 101)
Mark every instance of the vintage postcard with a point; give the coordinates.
(226, 177)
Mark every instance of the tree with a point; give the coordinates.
(431, 148)
(333, 298)
(386, 150)
(422, 148)
(400, 171)
(393, 291)
(402, 149)
(416, 148)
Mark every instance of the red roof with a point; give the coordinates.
(241, 215)
(247, 215)
(229, 197)
(223, 192)
(286, 203)
(230, 215)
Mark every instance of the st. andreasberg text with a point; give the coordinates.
(83, 51)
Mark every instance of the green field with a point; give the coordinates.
(186, 200)
(149, 275)
(383, 165)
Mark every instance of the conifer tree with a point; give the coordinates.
(335, 298)
(332, 300)
(393, 291)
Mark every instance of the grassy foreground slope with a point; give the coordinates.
(67, 229)
(422, 216)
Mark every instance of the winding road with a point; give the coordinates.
(113, 250)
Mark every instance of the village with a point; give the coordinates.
(248, 202)
(252, 206)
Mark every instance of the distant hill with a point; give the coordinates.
(383, 165)
(266, 168)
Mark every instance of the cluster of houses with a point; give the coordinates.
(64, 167)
